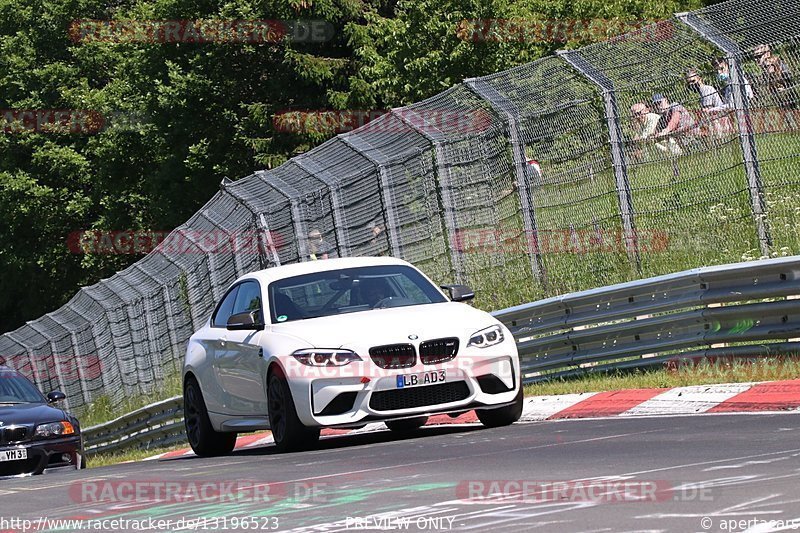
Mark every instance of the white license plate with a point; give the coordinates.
(14, 455)
(425, 378)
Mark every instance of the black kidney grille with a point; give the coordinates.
(408, 398)
(438, 350)
(12, 434)
(393, 355)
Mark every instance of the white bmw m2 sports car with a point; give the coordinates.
(340, 343)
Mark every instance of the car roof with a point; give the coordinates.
(269, 275)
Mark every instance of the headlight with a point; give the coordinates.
(325, 357)
(56, 429)
(486, 337)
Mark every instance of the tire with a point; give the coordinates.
(502, 416)
(289, 433)
(406, 425)
(204, 440)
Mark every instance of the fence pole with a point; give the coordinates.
(171, 326)
(506, 108)
(618, 159)
(210, 254)
(360, 145)
(261, 225)
(742, 108)
(412, 119)
(289, 192)
(79, 367)
(304, 162)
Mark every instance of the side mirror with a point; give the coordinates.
(55, 396)
(459, 293)
(243, 321)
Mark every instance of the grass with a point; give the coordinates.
(103, 410)
(699, 201)
(689, 211)
(135, 454)
(703, 373)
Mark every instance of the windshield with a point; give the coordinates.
(349, 290)
(14, 388)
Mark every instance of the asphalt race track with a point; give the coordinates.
(689, 473)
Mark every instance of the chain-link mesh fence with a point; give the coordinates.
(667, 148)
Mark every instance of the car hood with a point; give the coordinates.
(29, 413)
(389, 326)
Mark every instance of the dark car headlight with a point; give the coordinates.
(54, 429)
(486, 337)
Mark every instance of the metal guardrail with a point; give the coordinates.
(639, 324)
(645, 323)
(155, 425)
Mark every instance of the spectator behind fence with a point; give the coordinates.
(376, 229)
(675, 122)
(318, 248)
(710, 102)
(724, 78)
(777, 76)
(647, 128)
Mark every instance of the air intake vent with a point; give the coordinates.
(394, 400)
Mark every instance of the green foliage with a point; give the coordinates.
(179, 117)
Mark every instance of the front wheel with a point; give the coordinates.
(288, 432)
(204, 440)
(502, 416)
(406, 425)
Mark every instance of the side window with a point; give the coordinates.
(225, 309)
(248, 298)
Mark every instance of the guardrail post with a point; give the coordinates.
(624, 196)
(742, 108)
(358, 144)
(506, 108)
(411, 118)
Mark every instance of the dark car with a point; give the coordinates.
(34, 435)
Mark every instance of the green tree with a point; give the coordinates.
(179, 117)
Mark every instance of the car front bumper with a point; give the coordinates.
(44, 455)
(363, 393)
